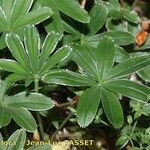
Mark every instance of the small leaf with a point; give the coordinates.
(11, 66)
(129, 88)
(119, 37)
(7, 7)
(120, 54)
(69, 29)
(129, 66)
(112, 108)
(56, 23)
(145, 73)
(5, 116)
(130, 15)
(89, 61)
(16, 77)
(88, 105)
(32, 45)
(23, 118)
(16, 47)
(105, 53)
(33, 17)
(20, 7)
(3, 23)
(73, 9)
(49, 46)
(19, 138)
(57, 57)
(69, 78)
(98, 16)
(34, 101)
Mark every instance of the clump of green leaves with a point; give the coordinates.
(103, 47)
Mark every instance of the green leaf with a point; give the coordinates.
(73, 9)
(7, 7)
(19, 138)
(5, 116)
(69, 29)
(32, 45)
(34, 101)
(112, 108)
(98, 16)
(130, 15)
(145, 73)
(23, 118)
(33, 17)
(3, 89)
(20, 7)
(120, 54)
(119, 37)
(89, 61)
(16, 77)
(2, 41)
(69, 78)
(56, 23)
(129, 66)
(88, 105)
(129, 88)
(11, 66)
(105, 53)
(17, 49)
(57, 57)
(49, 46)
(3, 23)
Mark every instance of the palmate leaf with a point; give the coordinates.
(33, 58)
(112, 108)
(17, 14)
(88, 105)
(98, 62)
(17, 107)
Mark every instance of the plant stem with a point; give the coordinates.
(61, 126)
(36, 83)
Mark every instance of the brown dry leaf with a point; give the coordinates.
(141, 37)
